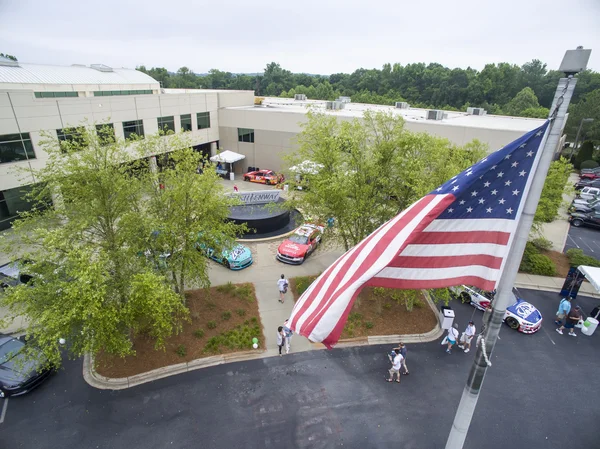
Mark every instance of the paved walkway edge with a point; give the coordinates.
(106, 383)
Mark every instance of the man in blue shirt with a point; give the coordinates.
(563, 310)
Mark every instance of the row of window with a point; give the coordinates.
(55, 94)
(245, 135)
(110, 93)
(18, 147)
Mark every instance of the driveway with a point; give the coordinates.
(540, 392)
(588, 239)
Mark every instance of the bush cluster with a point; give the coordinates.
(534, 262)
(238, 338)
(303, 282)
(576, 258)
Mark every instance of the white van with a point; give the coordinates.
(587, 193)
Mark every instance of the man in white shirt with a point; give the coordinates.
(282, 284)
(396, 364)
(467, 337)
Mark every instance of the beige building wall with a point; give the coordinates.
(21, 112)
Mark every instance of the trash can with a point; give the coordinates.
(232, 176)
(286, 187)
(446, 317)
(589, 326)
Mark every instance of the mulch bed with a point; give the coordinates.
(374, 314)
(209, 305)
(560, 260)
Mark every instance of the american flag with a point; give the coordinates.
(458, 234)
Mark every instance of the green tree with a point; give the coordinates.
(369, 170)
(585, 153)
(525, 100)
(90, 285)
(587, 107)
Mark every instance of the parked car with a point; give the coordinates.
(591, 219)
(585, 207)
(9, 275)
(19, 374)
(264, 177)
(236, 258)
(296, 248)
(587, 183)
(587, 193)
(521, 315)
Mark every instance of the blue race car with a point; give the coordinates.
(237, 258)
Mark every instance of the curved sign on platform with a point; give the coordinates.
(258, 197)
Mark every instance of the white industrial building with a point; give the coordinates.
(36, 99)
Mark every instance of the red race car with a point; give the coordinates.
(263, 177)
(300, 244)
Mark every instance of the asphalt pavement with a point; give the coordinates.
(588, 239)
(539, 393)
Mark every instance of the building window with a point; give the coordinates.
(133, 129)
(166, 124)
(110, 93)
(203, 120)
(55, 94)
(106, 133)
(73, 138)
(15, 147)
(186, 122)
(245, 135)
(14, 201)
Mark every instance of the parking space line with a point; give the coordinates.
(3, 410)
(591, 249)
(574, 242)
(548, 335)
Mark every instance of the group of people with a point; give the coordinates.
(284, 337)
(567, 317)
(466, 338)
(398, 359)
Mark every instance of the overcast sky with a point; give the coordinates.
(312, 36)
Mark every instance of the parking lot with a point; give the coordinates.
(588, 239)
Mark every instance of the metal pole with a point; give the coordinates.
(504, 296)
(576, 139)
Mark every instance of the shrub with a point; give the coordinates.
(542, 265)
(303, 282)
(585, 153)
(355, 317)
(379, 291)
(349, 328)
(387, 306)
(254, 320)
(441, 295)
(369, 325)
(199, 333)
(181, 351)
(542, 243)
(227, 288)
(588, 164)
(238, 338)
(530, 250)
(244, 292)
(576, 258)
(226, 315)
(419, 304)
(240, 312)
(211, 324)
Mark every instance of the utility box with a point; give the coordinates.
(231, 176)
(446, 317)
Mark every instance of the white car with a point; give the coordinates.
(521, 315)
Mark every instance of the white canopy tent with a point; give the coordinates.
(228, 157)
(592, 274)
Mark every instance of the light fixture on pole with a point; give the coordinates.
(574, 62)
(583, 120)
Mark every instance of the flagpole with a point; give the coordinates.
(504, 297)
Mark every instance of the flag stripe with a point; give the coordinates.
(375, 258)
(469, 225)
(453, 250)
(444, 261)
(433, 238)
(409, 284)
(436, 273)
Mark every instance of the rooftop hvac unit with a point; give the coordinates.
(301, 97)
(334, 105)
(8, 62)
(344, 99)
(435, 115)
(476, 111)
(101, 67)
(402, 105)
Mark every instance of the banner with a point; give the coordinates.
(572, 283)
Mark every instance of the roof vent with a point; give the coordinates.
(476, 111)
(402, 105)
(344, 99)
(435, 115)
(8, 62)
(78, 65)
(334, 105)
(301, 97)
(101, 67)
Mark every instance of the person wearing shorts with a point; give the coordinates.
(572, 319)
(467, 337)
(563, 310)
(396, 364)
(452, 337)
(282, 285)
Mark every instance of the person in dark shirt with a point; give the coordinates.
(573, 318)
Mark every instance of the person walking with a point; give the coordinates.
(280, 339)
(402, 348)
(467, 337)
(452, 336)
(288, 333)
(564, 307)
(396, 363)
(282, 284)
(571, 320)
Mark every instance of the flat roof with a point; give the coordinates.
(26, 73)
(451, 118)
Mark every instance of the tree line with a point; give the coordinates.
(503, 88)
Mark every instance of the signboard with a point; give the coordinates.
(572, 283)
(258, 197)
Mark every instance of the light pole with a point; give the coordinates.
(583, 120)
(574, 62)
